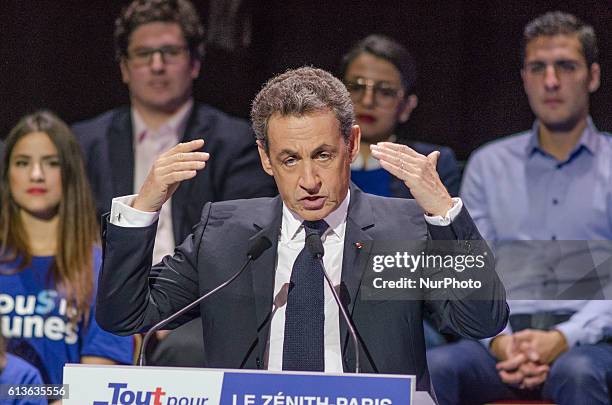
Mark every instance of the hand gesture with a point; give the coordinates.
(525, 356)
(543, 346)
(506, 350)
(419, 174)
(179, 163)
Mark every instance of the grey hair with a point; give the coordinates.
(298, 92)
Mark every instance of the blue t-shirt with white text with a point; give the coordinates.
(35, 321)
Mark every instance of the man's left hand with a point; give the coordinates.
(541, 346)
(419, 174)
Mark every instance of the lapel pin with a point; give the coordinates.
(358, 245)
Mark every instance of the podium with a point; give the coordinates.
(131, 385)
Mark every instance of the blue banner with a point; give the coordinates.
(304, 389)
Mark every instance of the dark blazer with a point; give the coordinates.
(132, 296)
(448, 169)
(233, 171)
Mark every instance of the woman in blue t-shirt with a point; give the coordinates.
(49, 252)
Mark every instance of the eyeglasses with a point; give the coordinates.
(170, 54)
(383, 94)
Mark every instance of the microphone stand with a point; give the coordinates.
(316, 248)
(256, 249)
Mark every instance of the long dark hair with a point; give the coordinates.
(77, 229)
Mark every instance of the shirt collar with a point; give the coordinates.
(292, 222)
(588, 140)
(176, 124)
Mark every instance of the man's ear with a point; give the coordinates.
(524, 79)
(407, 107)
(125, 74)
(196, 65)
(354, 142)
(594, 77)
(265, 159)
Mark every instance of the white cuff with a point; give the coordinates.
(450, 216)
(123, 214)
(572, 331)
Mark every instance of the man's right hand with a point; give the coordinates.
(510, 359)
(179, 163)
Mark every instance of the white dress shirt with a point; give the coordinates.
(148, 145)
(291, 242)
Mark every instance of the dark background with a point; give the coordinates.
(58, 54)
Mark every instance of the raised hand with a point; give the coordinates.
(177, 164)
(419, 174)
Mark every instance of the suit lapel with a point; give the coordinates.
(359, 219)
(263, 270)
(121, 153)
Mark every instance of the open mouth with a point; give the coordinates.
(313, 203)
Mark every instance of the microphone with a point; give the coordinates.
(257, 247)
(313, 241)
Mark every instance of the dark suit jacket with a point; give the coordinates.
(233, 171)
(448, 170)
(132, 297)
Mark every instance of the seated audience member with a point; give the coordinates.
(159, 45)
(380, 75)
(551, 183)
(49, 252)
(14, 370)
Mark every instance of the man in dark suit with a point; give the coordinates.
(304, 123)
(159, 46)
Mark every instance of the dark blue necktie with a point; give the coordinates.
(305, 317)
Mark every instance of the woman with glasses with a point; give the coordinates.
(380, 74)
(49, 253)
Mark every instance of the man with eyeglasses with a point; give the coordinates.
(552, 183)
(380, 75)
(159, 46)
